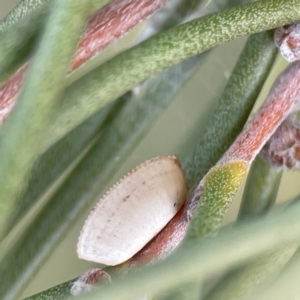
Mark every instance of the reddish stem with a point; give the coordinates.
(164, 243)
(110, 23)
(105, 26)
(282, 101)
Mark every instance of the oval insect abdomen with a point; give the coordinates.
(133, 212)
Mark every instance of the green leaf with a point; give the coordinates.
(53, 164)
(61, 291)
(285, 286)
(23, 134)
(243, 280)
(261, 188)
(219, 186)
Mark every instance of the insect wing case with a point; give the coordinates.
(133, 212)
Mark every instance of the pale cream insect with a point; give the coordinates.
(133, 211)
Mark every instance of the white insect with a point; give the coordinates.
(133, 211)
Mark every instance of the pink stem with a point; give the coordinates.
(283, 99)
(104, 27)
(110, 23)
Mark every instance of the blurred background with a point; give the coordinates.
(186, 114)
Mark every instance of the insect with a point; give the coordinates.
(133, 211)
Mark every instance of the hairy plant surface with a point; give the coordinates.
(74, 121)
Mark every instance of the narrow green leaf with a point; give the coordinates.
(124, 71)
(243, 280)
(285, 286)
(261, 188)
(24, 132)
(219, 186)
(190, 291)
(59, 292)
(50, 166)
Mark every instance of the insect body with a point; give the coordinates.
(133, 211)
